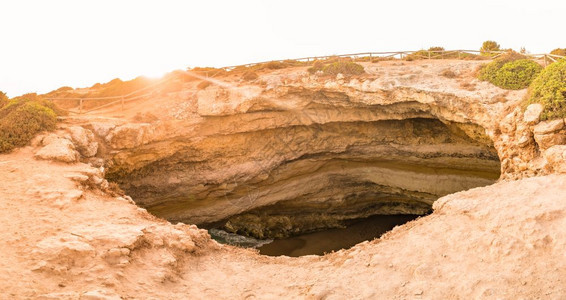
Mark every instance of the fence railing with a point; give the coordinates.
(418, 54)
(424, 54)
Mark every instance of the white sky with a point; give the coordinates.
(48, 44)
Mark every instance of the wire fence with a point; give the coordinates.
(418, 54)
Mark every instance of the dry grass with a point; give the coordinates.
(203, 85)
(468, 86)
(249, 76)
(448, 73)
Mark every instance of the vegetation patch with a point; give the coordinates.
(208, 72)
(517, 74)
(511, 71)
(276, 65)
(249, 76)
(559, 51)
(448, 73)
(549, 89)
(441, 53)
(488, 48)
(22, 118)
(345, 67)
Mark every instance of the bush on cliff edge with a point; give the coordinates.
(343, 67)
(511, 71)
(549, 89)
(22, 118)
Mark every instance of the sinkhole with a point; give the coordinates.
(310, 189)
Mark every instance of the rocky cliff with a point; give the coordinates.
(294, 152)
(267, 158)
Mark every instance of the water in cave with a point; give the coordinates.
(319, 242)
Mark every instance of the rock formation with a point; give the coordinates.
(306, 155)
(267, 159)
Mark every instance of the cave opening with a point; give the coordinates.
(314, 189)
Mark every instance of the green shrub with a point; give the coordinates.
(517, 74)
(488, 72)
(316, 66)
(436, 50)
(488, 46)
(440, 53)
(22, 118)
(549, 89)
(559, 51)
(276, 65)
(510, 71)
(343, 67)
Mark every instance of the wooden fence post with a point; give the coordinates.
(544, 60)
(81, 106)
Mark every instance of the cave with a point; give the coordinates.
(293, 190)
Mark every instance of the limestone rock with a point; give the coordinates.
(524, 141)
(508, 124)
(37, 141)
(59, 149)
(217, 101)
(62, 252)
(112, 235)
(84, 141)
(546, 141)
(556, 158)
(273, 82)
(59, 296)
(59, 198)
(179, 238)
(49, 138)
(117, 256)
(532, 113)
(102, 129)
(77, 177)
(549, 126)
(249, 150)
(130, 135)
(100, 295)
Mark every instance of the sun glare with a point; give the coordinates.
(154, 74)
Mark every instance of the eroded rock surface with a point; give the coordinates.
(310, 152)
(57, 148)
(68, 234)
(310, 156)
